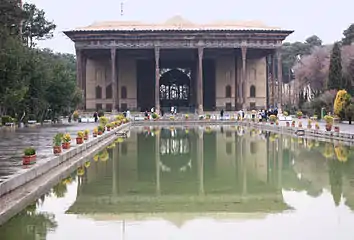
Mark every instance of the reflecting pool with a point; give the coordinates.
(200, 183)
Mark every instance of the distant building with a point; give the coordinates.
(137, 65)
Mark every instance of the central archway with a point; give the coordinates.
(175, 88)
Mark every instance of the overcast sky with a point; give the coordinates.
(325, 18)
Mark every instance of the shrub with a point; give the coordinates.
(299, 114)
(154, 115)
(29, 151)
(95, 130)
(75, 115)
(87, 132)
(6, 119)
(349, 111)
(272, 118)
(341, 102)
(100, 113)
(100, 128)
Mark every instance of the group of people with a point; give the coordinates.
(262, 115)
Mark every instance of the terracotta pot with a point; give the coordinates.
(65, 145)
(287, 124)
(94, 134)
(100, 133)
(293, 125)
(336, 129)
(271, 123)
(27, 160)
(86, 137)
(79, 140)
(299, 117)
(56, 150)
(309, 126)
(328, 127)
(108, 129)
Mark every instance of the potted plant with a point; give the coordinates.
(285, 113)
(309, 123)
(109, 126)
(66, 141)
(100, 129)
(172, 118)
(207, 116)
(76, 115)
(29, 156)
(336, 129)
(86, 136)
(287, 124)
(103, 120)
(186, 116)
(293, 124)
(277, 122)
(329, 122)
(300, 124)
(299, 114)
(272, 119)
(80, 137)
(317, 126)
(95, 132)
(155, 116)
(57, 141)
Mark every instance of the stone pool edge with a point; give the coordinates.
(51, 162)
(320, 134)
(16, 200)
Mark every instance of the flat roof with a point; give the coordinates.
(178, 23)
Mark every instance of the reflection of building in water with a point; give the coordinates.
(190, 171)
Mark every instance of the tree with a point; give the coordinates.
(11, 16)
(348, 38)
(335, 69)
(314, 41)
(36, 26)
(341, 102)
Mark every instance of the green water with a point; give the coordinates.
(180, 183)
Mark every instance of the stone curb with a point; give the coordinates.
(346, 137)
(49, 163)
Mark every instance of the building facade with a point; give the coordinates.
(136, 66)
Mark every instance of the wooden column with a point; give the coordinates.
(200, 81)
(236, 84)
(280, 79)
(244, 76)
(157, 80)
(272, 94)
(81, 74)
(114, 79)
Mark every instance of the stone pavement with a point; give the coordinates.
(14, 141)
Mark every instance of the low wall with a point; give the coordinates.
(43, 166)
(318, 134)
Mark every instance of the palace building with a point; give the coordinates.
(205, 67)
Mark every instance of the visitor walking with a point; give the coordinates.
(222, 113)
(95, 115)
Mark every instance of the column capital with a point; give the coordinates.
(200, 52)
(244, 51)
(113, 52)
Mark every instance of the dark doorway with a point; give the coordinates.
(146, 84)
(175, 87)
(209, 85)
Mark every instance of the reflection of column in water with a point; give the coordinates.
(200, 158)
(115, 153)
(157, 163)
(280, 160)
(244, 169)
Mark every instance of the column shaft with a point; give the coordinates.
(157, 80)
(200, 80)
(272, 97)
(244, 76)
(114, 79)
(79, 68)
(280, 79)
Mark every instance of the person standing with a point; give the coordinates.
(95, 115)
(222, 113)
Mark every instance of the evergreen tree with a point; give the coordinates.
(335, 78)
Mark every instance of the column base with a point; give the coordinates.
(200, 109)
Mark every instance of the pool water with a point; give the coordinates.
(199, 183)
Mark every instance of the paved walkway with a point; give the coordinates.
(13, 142)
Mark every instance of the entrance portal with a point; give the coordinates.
(175, 88)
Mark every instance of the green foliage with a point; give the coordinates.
(335, 69)
(36, 83)
(6, 119)
(58, 138)
(349, 111)
(29, 151)
(35, 26)
(348, 35)
(328, 119)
